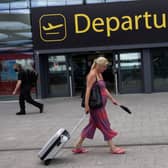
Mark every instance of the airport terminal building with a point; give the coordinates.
(61, 38)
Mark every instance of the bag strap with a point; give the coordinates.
(96, 78)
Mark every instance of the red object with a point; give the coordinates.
(7, 87)
(118, 151)
(79, 150)
(99, 119)
(14, 56)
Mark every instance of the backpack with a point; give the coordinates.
(32, 77)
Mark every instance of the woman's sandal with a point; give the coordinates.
(118, 151)
(79, 150)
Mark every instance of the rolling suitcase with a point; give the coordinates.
(56, 143)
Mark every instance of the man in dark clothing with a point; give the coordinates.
(25, 90)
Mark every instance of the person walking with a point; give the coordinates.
(25, 90)
(98, 117)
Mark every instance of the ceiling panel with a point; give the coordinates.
(13, 25)
(7, 1)
(15, 32)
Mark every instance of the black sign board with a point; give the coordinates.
(97, 25)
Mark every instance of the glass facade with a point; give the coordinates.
(15, 42)
(16, 37)
(16, 47)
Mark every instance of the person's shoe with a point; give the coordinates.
(21, 113)
(41, 108)
(79, 150)
(118, 151)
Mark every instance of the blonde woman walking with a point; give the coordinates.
(98, 117)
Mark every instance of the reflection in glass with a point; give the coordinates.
(56, 3)
(57, 76)
(8, 77)
(15, 42)
(4, 6)
(15, 31)
(19, 4)
(130, 72)
(130, 56)
(38, 3)
(4, 11)
(160, 69)
(81, 67)
(94, 1)
(20, 11)
(70, 2)
(57, 64)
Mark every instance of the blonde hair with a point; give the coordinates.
(99, 61)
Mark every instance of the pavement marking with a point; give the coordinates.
(9, 101)
(13, 101)
(87, 146)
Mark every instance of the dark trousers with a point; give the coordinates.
(25, 94)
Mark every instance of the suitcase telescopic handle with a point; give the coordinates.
(78, 124)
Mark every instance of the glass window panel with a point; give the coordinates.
(20, 11)
(160, 69)
(13, 25)
(56, 3)
(94, 1)
(3, 36)
(8, 76)
(19, 4)
(4, 11)
(15, 31)
(130, 56)
(57, 63)
(57, 76)
(38, 3)
(130, 72)
(4, 5)
(130, 60)
(26, 63)
(70, 2)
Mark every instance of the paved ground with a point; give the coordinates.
(136, 157)
(144, 133)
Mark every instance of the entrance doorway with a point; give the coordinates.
(81, 65)
(67, 74)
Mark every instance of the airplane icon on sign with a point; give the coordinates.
(53, 27)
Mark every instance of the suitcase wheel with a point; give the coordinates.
(47, 162)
